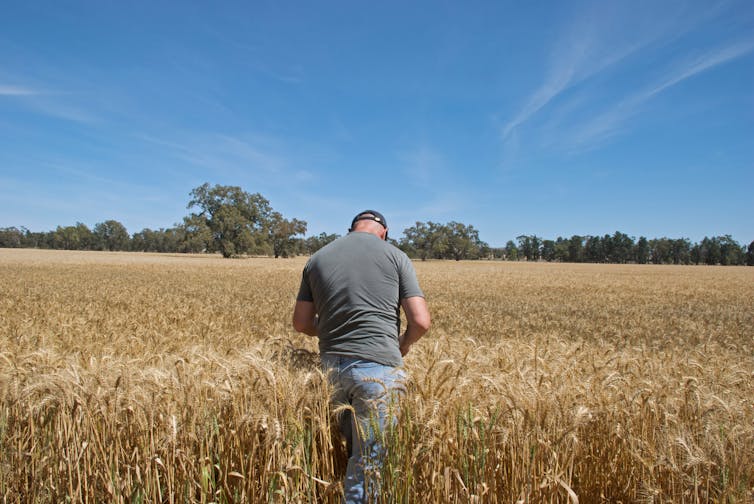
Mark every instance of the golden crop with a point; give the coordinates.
(160, 378)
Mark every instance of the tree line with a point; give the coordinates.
(225, 220)
(233, 222)
(621, 249)
(431, 240)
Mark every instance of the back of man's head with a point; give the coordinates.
(370, 221)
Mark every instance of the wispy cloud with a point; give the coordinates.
(238, 158)
(698, 65)
(444, 204)
(9, 90)
(57, 196)
(612, 120)
(63, 109)
(590, 45)
(422, 164)
(606, 43)
(223, 152)
(438, 191)
(259, 153)
(52, 103)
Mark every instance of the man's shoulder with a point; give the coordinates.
(334, 248)
(390, 247)
(364, 243)
(329, 246)
(396, 251)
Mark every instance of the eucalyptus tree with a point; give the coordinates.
(282, 234)
(463, 241)
(529, 246)
(237, 221)
(511, 251)
(12, 237)
(110, 235)
(641, 250)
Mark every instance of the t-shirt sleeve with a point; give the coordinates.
(304, 291)
(409, 285)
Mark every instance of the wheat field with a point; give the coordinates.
(174, 378)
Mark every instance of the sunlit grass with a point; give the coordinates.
(148, 378)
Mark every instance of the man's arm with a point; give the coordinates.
(417, 316)
(305, 318)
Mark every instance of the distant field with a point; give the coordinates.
(173, 378)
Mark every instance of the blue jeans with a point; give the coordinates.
(372, 390)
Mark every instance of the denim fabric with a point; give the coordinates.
(372, 390)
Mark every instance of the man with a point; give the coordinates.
(350, 297)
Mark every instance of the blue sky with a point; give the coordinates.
(546, 118)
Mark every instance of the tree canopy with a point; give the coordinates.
(453, 240)
(233, 222)
(237, 221)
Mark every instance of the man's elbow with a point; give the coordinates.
(298, 326)
(305, 318)
(417, 314)
(422, 322)
(301, 326)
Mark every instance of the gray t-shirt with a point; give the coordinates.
(356, 283)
